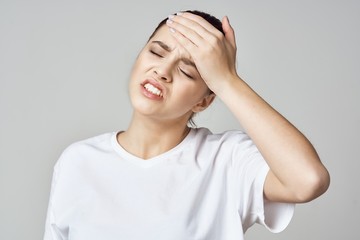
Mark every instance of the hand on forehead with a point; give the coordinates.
(193, 22)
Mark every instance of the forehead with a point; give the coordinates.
(164, 35)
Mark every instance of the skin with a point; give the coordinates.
(296, 173)
(158, 125)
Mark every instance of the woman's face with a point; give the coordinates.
(164, 82)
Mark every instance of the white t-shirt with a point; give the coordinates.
(208, 187)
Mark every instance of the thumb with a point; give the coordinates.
(229, 31)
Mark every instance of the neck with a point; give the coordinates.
(147, 138)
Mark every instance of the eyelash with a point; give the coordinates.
(187, 75)
(155, 53)
(182, 71)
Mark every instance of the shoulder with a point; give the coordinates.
(229, 143)
(232, 150)
(230, 136)
(86, 148)
(99, 142)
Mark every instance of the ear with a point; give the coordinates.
(204, 103)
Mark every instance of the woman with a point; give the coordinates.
(161, 179)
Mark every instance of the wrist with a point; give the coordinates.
(225, 87)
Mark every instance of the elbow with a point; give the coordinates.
(313, 185)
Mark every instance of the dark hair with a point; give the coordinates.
(212, 20)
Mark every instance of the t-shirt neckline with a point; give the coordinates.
(125, 155)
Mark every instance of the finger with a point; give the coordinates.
(229, 31)
(183, 26)
(196, 32)
(189, 28)
(188, 44)
(200, 20)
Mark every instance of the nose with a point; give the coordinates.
(163, 73)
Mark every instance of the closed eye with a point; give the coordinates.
(186, 74)
(156, 54)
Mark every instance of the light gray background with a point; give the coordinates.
(64, 67)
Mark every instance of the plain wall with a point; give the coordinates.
(64, 68)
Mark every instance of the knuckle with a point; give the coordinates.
(213, 40)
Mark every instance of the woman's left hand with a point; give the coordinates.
(213, 53)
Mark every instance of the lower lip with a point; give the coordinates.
(150, 95)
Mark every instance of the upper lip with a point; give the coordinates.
(155, 84)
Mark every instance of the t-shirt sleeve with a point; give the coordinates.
(51, 231)
(59, 196)
(250, 173)
(275, 216)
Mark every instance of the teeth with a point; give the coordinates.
(153, 89)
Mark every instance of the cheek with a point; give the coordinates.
(136, 67)
(199, 88)
(137, 72)
(191, 92)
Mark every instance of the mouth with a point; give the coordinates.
(153, 88)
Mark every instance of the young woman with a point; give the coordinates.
(161, 179)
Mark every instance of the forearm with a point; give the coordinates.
(291, 157)
(294, 163)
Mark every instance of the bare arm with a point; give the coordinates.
(296, 172)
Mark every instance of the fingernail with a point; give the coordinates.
(169, 21)
(179, 13)
(171, 16)
(172, 30)
(227, 18)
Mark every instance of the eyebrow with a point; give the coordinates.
(163, 45)
(168, 49)
(188, 62)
